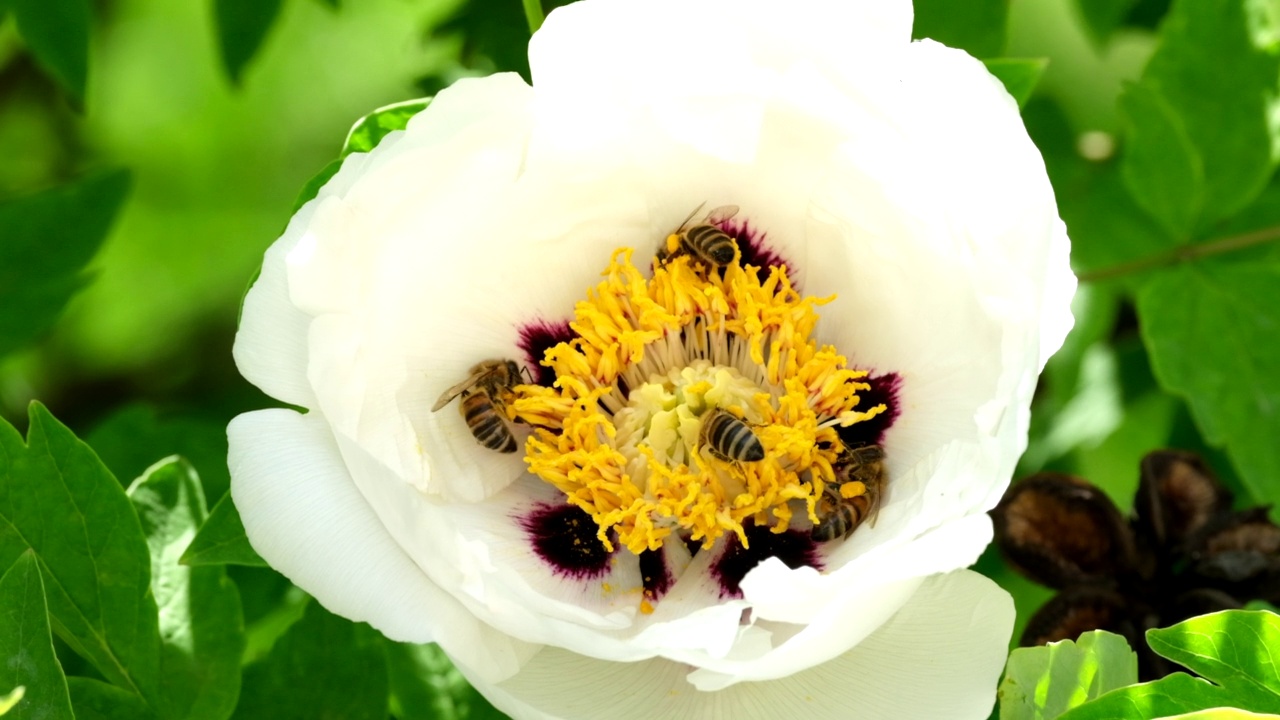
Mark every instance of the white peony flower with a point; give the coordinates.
(614, 566)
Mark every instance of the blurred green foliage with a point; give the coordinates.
(177, 134)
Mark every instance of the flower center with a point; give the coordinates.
(694, 402)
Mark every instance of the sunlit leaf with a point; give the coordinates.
(1174, 694)
(27, 646)
(242, 27)
(7, 702)
(426, 686)
(1019, 75)
(1043, 682)
(1211, 329)
(370, 129)
(58, 499)
(1218, 66)
(201, 626)
(979, 28)
(222, 540)
(1237, 649)
(57, 32)
(42, 255)
(323, 667)
(1161, 168)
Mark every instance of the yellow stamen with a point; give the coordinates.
(619, 431)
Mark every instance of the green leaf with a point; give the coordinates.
(1108, 228)
(370, 129)
(42, 255)
(1236, 649)
(1044, 682)
(323, 667)
(201, 625)
(1218, 65)
(1161, 168)
(276, 612)
(221, 540)
(27, 645)
(363, 137)
(426, 686)
(1171, 695)
(978, 27)
(1019, 75)
(58, 499)
(131, 438)
(309, 191)
(1233, 648)
(95, 700)
(57, 32)
(242, 27)
(1211, 329)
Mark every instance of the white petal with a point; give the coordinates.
(814, 617)
(305, 517)
(939, 657)
(479, 553)
(271, 345)
(939, 232)
(707, 43)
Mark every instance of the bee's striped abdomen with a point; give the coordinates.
(486, 424)
(711, 244)
(731, 438)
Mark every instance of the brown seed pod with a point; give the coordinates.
(1081, 609)
(1240, 548)
(1178, 496)
(1060, 530)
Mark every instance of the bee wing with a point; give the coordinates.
(685, 222)
(448, 395)
(722, 213)
(474, 379)
(873, 513)
(877, 499)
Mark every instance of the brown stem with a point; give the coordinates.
(1186, 253)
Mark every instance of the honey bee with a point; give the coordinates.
(482, 406)
(729, 439)
(839, 516)
(704, 241)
